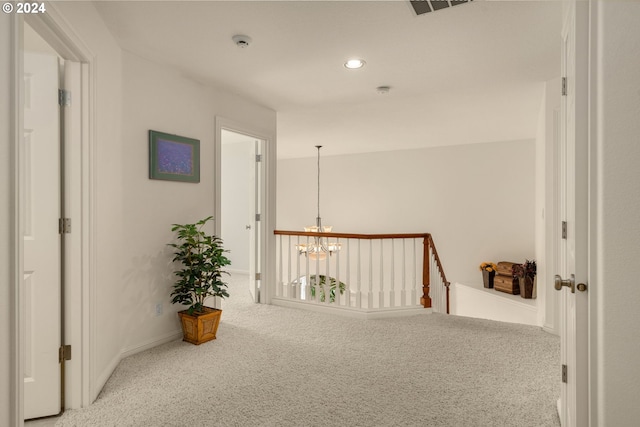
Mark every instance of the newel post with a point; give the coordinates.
(425, 300)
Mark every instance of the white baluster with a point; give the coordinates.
(370, 293)
(381, 288)
(436, 283)
(295, 287)
(392, 291)
(279, 280)
(415, 280)
(307, 288)
(285, 283)
(433, 289)
(359, 281)
(347, 290)
(317, 275)
(337, 256)
(403, 293)
(441, 293)
(327, 278)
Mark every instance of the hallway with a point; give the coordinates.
(273, 366)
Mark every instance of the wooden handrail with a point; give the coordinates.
(428, 242)
(352, 235)
(440, 269)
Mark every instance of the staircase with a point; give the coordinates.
(369, 275)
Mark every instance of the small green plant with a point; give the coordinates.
(322, 280)
(202, 258)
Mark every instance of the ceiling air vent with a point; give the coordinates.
(426, 6)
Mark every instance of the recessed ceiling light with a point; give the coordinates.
(354, 64)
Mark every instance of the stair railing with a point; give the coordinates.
(367, 272)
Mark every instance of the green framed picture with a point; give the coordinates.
(173, 157)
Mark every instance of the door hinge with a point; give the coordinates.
(258, 217)
(64, 225)
(64, 353)
(564, 86)
(64, 98)
(564, 373)
(258, 276)
(564, 229)
(258, 158)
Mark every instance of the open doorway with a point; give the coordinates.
(54, 157)
(242, 205)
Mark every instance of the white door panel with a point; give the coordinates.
(572, 259)
(41, 209)
(256, 205)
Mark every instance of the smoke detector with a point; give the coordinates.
(241, 41)
(383, 90)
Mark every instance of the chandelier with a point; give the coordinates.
(320, 247)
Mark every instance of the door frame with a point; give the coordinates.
(578, 27)
(79, 252)
(267, 238)
(241, 205)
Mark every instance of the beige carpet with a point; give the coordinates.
(274, 366)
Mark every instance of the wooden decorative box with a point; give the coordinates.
(506, 284)
(504, 281)
(505, 268)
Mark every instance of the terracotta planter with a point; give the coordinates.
(527, 286)
(487, 278)
(200, 327)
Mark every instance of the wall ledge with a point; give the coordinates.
(474, 301)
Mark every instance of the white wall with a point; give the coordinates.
(133, 215)
(237, 182)
(158, 98)
(477, 200)
(129, 262)
(613, 289)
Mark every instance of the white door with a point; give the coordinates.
(41, 293)
(246, 192)
(255, 219)
(571, 278)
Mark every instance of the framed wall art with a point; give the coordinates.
(173, 157)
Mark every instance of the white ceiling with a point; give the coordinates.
(466, 74)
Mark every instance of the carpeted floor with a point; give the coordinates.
(274, 366)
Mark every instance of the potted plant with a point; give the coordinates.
(488, 273)
(202, 258)
(526, 275)
(321, 281)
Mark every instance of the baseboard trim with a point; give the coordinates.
(551, 330)
(113, 364)
(172, 336)
(106, 374)
(353, 313)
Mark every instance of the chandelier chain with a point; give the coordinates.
(318, 219)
